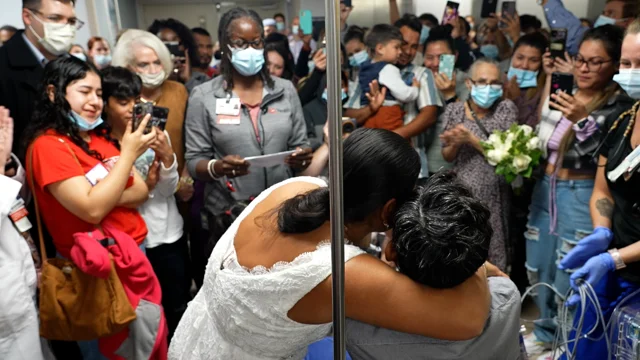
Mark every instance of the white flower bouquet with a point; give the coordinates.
(515, 152)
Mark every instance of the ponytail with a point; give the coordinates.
(304, 213)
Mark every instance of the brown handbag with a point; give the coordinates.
(75, 306)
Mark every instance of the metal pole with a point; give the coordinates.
(334, 116)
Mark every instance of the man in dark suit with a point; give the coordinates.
(50, 27)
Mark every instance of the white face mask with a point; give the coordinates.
(58, 38)
(152, 81)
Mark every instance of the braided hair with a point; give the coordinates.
(224, 36)
(54, 115)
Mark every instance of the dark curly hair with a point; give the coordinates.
(273, 44)
(185, 35)
(442, 236)
(54, 115)
(224, 36)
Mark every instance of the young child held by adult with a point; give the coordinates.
(385, 44)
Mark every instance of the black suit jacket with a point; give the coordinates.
(20, 78)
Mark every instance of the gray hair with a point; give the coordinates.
(124, 52)
(481, 61)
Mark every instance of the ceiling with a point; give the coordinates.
(224, 2)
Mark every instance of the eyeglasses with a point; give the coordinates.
(482, 84)
(593, 64)
(241, 44)
(59, 19)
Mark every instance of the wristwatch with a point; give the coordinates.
(617, 259)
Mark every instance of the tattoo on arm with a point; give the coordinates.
(605, 208)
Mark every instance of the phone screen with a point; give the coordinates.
(450, 12)
(159, 117)
(558, 42)
(508, 8)
(561, 82)
(447, 64)
(174, 49)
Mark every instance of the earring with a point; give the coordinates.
(386, 226)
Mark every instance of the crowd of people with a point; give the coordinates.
(196, 172)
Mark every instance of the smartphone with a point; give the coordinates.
(508, 8)
(561, 82)
(174, 49)
(558, 43)
(141, 110)
(488, 7)
(447, 64)
(450, 12)
(306, 22)
(159, 117)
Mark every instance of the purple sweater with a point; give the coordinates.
(582, 133)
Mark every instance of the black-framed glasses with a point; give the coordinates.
(242, 44)
(59, 19)
(481, 84)
(593, 64)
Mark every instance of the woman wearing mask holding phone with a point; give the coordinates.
(144, 54)
(242, 113)
(609, 259)
(465, 125)
(569, 134)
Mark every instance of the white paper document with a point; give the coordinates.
(269, 160)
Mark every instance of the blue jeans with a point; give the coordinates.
(545, 250)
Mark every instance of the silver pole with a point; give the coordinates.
(334, 116)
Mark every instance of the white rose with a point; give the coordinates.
(533, 143)
(521, 163)
(494, 140)
(495, 156)
(509, 141)
(526, 129)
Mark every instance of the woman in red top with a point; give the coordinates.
(80, 177)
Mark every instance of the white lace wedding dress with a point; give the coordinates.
(242, 314)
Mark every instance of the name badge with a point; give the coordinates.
(18, 215)
(228, 120)
(229, 106)
(96, 174)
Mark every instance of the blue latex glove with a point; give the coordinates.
(592, 272)
(587, 248)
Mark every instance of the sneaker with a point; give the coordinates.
(535, 347)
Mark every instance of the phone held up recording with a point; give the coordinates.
(159, 116)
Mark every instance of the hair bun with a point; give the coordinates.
(304, 213)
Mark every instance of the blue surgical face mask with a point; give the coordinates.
(102, 60)
(343, 94)
(82, 123)
(247, 62)
(424, 34)
(604, 20)
(280, 26)
(525, 78)
(490, 51)
(357, 59)
(295, 29)
(485, 97)
(80, 56)
(629, 80)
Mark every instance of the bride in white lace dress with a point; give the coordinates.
(267, 288)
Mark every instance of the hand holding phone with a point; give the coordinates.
(560, 82)
(450, 12)
(508, 9)
(558, 42)
(447, 64)
(306, 22)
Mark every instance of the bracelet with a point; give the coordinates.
(452, 100)
(617, 259)
(211, 168)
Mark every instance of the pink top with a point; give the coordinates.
(582, 133)
(254, 112)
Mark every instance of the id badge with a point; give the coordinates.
(228, 120)
(230, 107)
(96, 174)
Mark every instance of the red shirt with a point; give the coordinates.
(52, 162)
